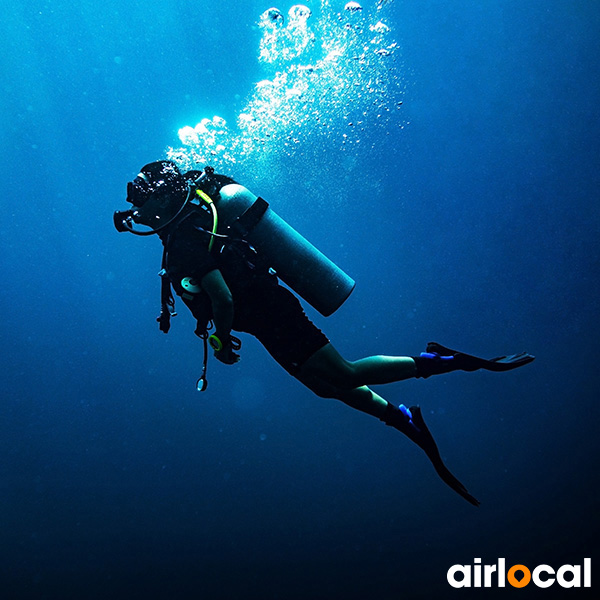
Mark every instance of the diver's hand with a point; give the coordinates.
(227, 356)
(224, 346)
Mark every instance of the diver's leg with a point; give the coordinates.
(328, 365)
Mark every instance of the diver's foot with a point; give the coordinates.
(401, 419)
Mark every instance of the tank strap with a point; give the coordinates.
(249, 219)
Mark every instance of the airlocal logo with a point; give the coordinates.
(519, 576)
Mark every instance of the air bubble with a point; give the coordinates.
(353, 7)
(272, 17)
(299, 12)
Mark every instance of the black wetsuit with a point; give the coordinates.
(262, 307)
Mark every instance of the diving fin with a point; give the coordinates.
(410, 422)
(427, 443)
(466, 362)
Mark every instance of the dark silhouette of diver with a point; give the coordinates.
(225, 280)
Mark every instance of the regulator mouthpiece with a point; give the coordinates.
(122, 220)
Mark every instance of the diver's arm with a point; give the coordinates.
(222, 306)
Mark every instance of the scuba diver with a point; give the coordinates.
(225, 252)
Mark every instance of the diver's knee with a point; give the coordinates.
(354, 376)
(330, 366)
(341, 374)
(344, 375)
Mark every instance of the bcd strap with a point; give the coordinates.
(248, 220)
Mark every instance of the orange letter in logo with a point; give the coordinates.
(516, 582)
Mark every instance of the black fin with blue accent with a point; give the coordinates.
(467, 362)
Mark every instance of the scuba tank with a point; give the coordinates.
(302, 267)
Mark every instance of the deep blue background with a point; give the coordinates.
(118, 479)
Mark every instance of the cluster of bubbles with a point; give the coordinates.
(280, 42)
(333, 80)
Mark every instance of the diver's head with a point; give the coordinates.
(157, 193)
(160, 177)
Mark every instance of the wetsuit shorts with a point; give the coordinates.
(276, 318)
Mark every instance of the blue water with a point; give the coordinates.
(471, 217)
